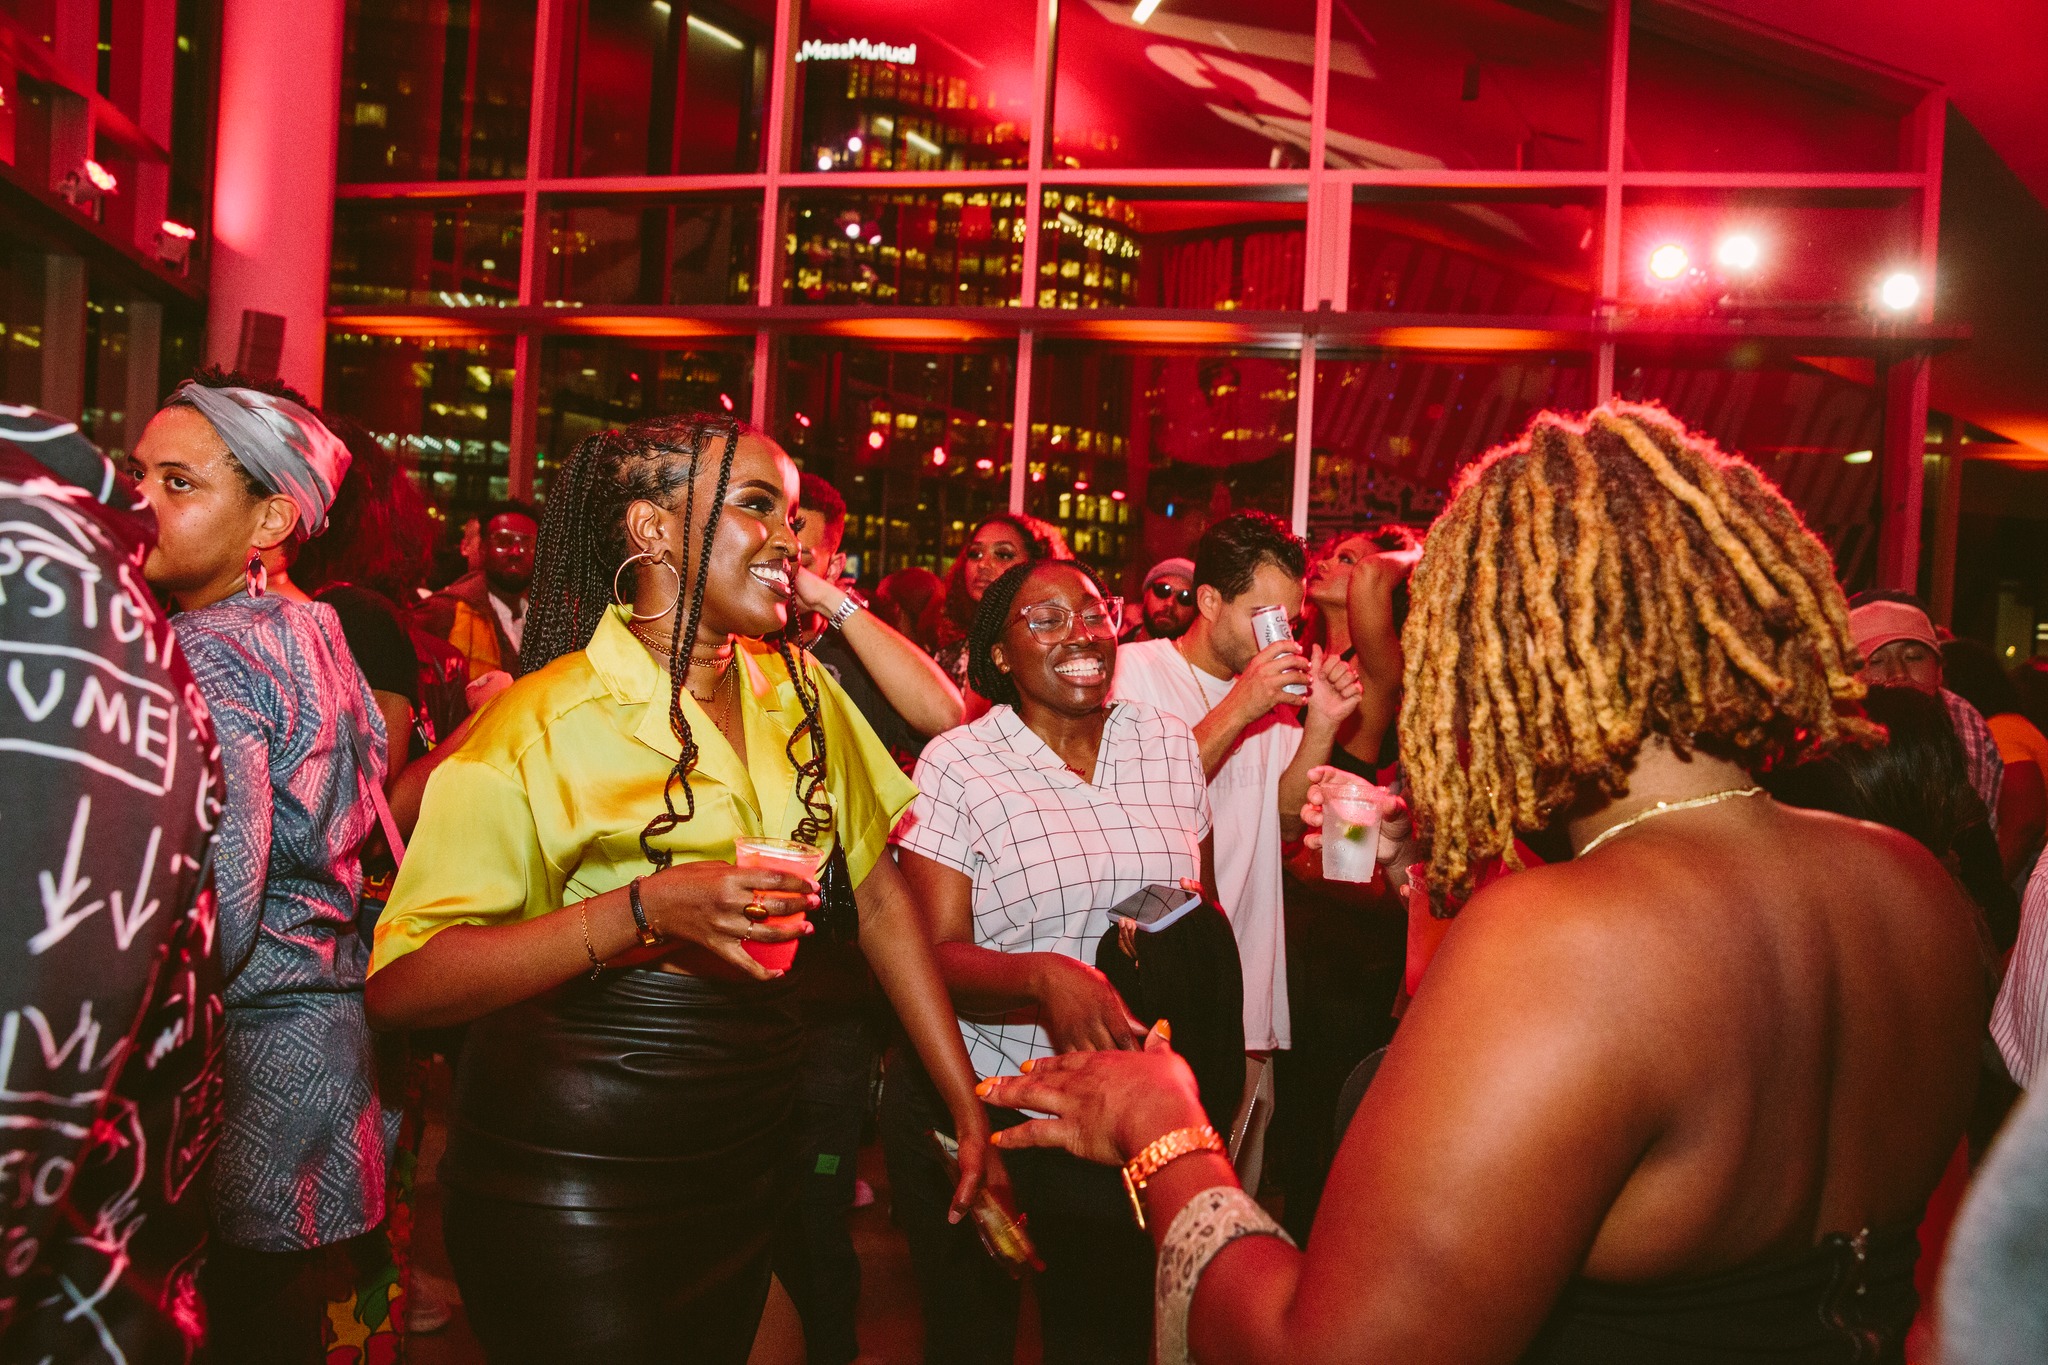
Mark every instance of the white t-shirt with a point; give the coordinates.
(1048, 854)
(1244, 801)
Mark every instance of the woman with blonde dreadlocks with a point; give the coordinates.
(1680, 1099)
(621, 1135)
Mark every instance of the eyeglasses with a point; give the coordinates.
(1052, 624)
(1160, 587)
(511, 540)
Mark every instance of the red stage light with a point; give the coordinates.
(938, 455)
(802, 420)
(1669, 261)
(1118, 494)
(1080, 485)
(875, 439)
(179, 230)
(725, 401)
(984, 465)
(103, 179)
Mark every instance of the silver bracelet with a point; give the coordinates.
(844, 612)
(1206, 1224)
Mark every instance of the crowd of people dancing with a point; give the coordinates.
(1695, 965)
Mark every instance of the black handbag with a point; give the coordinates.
(837, 916)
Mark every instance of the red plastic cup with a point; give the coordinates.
(777, 855)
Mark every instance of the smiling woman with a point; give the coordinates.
(1031, 826)
(622, 1133)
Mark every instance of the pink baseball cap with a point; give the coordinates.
(1876, 624)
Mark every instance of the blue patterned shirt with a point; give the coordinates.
(301, 1160)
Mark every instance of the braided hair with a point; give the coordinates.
(992, 618)
(583, 543)
(1595, 583)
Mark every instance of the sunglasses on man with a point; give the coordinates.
(1165, 591)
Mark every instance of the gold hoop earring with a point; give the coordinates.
(651, 559)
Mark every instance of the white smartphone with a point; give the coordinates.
(1155, 907)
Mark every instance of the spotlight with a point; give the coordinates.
(876, 240)
(1668, 262)
(1117, 494)
(853, 144)
(938, 456)
(1899, 291)
(725, 401)
(1738, 251)
(875, 440)
(824, 161)
(984, 465)
(1859, 457)
(1080, 485)
(853, 232)
(86, 186)
(802, 420)
(173, 245)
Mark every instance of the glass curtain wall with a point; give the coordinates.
(1122, 266)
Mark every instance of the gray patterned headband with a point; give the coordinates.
(286, 448)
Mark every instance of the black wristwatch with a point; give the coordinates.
(648, 937)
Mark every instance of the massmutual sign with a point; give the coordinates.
(856, 50)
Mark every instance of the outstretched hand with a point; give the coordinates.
(1397, 827)
(1104, 1106)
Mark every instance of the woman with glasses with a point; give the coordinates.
(1032, 823)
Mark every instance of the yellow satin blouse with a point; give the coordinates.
(544, 803)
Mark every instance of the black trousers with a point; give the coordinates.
(814, 1253)
(268, 1307)
(619, 1154)
(1095, 1297)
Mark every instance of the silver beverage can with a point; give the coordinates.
(1270, 624)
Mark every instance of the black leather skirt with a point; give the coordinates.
(618, 1154)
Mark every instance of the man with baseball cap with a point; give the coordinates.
(1900, 649)
(1166, 604)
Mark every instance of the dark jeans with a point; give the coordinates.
(1345, 954)
(814, 1254)
(268, 1307)
(1095, 1297)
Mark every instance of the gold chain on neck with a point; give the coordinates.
(1667, 808)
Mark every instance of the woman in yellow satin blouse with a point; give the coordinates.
(620, 1138)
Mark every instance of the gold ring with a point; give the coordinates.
(755, 907)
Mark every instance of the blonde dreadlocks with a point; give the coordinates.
(1593, 584)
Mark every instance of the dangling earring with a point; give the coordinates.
(259, 577)
(661, 559)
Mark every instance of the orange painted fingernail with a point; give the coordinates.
(1165, 1030)
(983, 1088)
(1024, 1066)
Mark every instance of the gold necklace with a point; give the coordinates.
(1667, 808)
(700, 660)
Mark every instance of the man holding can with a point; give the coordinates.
(1238, 687)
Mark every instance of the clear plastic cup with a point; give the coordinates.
(777, 855)
(1351, 829)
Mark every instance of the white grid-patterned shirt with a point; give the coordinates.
(1049, 854)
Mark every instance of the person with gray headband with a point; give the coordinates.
(233, 470)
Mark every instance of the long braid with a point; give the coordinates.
(683, 636)
(1590, 585)
(810, 772)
